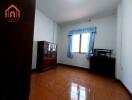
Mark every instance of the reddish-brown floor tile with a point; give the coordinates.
(68, 83)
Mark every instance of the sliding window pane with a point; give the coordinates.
(75, 43)
(85, 39)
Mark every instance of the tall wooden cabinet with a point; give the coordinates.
(46, 55)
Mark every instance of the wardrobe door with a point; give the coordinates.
(16, 40)
(46, 55)
(40, 53)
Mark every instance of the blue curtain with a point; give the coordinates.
(91, 30)
(90, 45)
(69, 51)
(84, 30)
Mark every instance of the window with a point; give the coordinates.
(75, 43)
(80, 42)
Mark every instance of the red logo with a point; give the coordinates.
(12, 13)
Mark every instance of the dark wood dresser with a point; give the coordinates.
(101, 62)
(46, 55)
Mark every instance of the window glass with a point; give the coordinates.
(75, 43)
(80, 42)
(85, 38)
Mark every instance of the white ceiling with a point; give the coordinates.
(67, 11)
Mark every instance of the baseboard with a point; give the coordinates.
(72, 66)
(125, 88)
(66, 65)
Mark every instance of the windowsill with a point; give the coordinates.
(79, 53)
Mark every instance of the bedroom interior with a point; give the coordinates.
(66, 50)
(83, 67)
(80, 66)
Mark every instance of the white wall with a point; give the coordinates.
(119, 42)
(44, 30)
(105, 38)
(124, 10)
(44, 27)
(34, 55)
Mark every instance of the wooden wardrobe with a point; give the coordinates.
(46, 55)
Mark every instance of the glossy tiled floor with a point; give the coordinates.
(68, 83)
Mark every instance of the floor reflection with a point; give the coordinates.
(78, 92)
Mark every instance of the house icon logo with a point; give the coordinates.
(12, 13)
